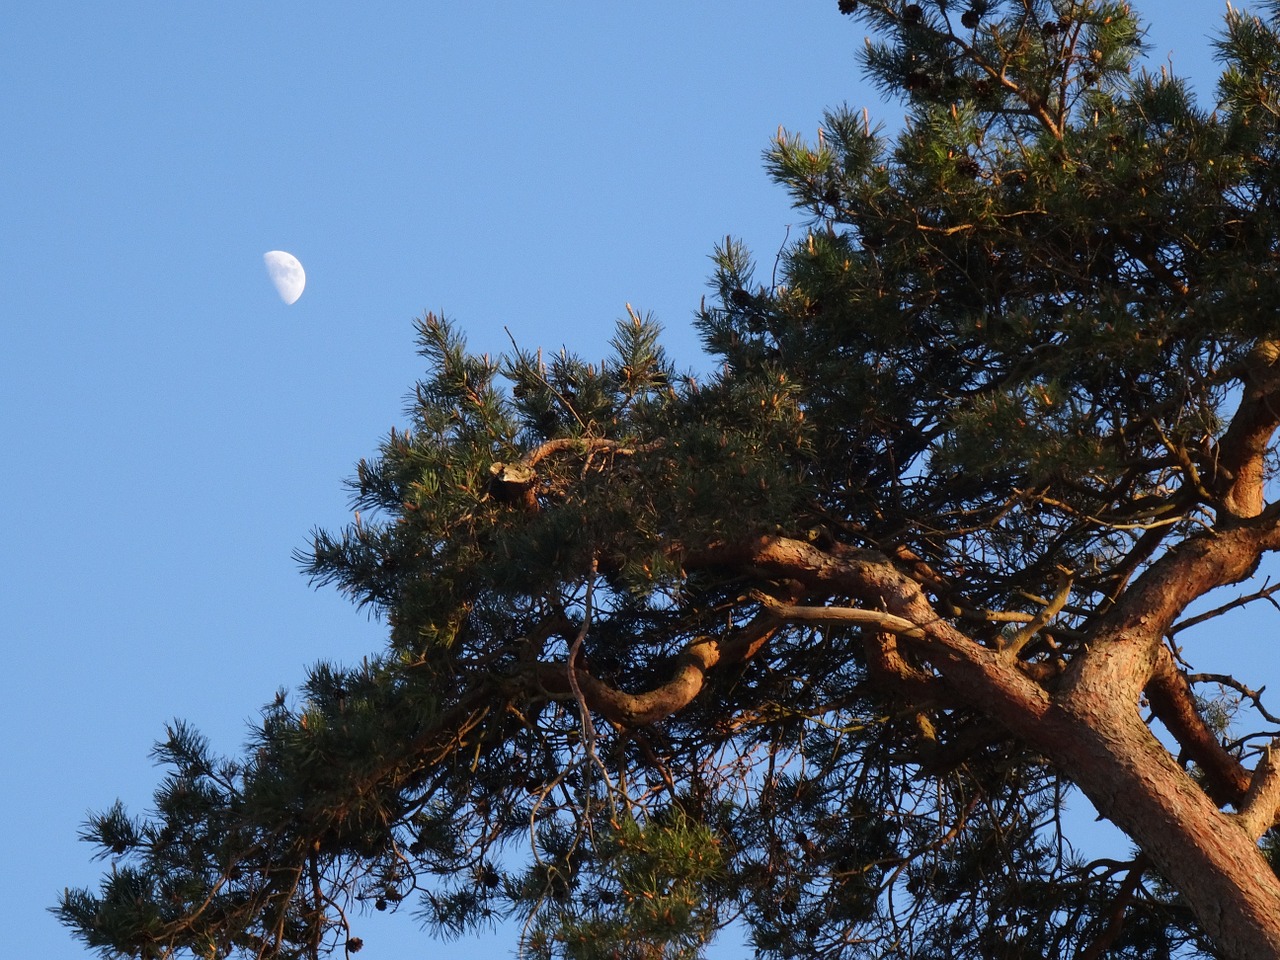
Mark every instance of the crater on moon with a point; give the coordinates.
(286, 273)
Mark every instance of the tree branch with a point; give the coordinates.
(1241, 453)
(1261, 803)
(687, 681)
(1026, 634)
(1160, 594)
(885, 661)
(1245, 691)
(972, 672)
(585, 445)
(1264, 594)
(1174, 703)
(862, 618)
(1115, 913)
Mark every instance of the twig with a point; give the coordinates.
(1264, 594)
(588, 727)
(1229, 681)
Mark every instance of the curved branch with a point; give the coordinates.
(687, 681)
(514, 482)
(971, 671)
(1232, 683)
(1139, 622)
(1243, 447)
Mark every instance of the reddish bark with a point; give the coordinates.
(1241, 455)
(1090, 726)
(1171, 700)
(1086, 721)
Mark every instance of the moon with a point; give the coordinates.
(286, 273)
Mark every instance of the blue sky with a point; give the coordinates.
(172, 431)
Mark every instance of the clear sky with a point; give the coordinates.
(170, 431)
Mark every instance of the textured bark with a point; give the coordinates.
(1208, 856)
(1096, 735)
(1173, 702)
(1241, 460)
(1262, 802)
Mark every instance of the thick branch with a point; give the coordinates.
(1262, 802)
(1090, 728)
(1172, 700)
(1145, 614)
(973, 673)
(1243, 448)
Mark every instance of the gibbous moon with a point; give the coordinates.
(286, 273)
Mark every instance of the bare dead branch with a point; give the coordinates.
(875, 619)
(1012, 647)
(1234, 684)
(1266, 593)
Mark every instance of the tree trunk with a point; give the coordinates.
(1090, 726)
(1208, 856)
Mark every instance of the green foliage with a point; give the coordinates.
(650, 901)
(1004, 349)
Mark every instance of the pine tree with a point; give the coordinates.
(820, 642)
